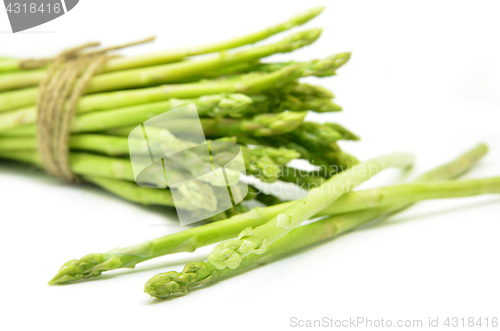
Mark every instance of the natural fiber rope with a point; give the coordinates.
(59, 92)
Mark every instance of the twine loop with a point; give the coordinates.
(58, 95)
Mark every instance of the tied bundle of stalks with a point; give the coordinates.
(72, 114)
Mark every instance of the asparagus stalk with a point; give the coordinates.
(92, 265)
(31, 78)
(9, 64)
(85, 164)
(195, 274)
(171, 72)
(302, 178)
(264, 163)
(330, 158)
(264, 125)
(118, 99)
(218, 105)
(256, 241)
(132, 192)
(345, 133)
(237, 70)
(82, 164)
(411, 193)
(233, 105)
(145, 196)
(274, 104)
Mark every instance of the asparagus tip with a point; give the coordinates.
(89, 266)
(165, 285)
(308, 15)
(305, 37)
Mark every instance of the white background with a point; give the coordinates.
(424, 77)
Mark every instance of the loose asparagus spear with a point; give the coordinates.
(92, 265)
(195, 274)
(411, 193)
(171, 284)
(30, 78)
(112, 100)
(256, 241)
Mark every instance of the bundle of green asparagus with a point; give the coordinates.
(260, 106)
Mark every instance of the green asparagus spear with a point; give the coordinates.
(170, 72)
(113, 100)
(270, 104)
(195, 274)
(304, 179)
(330, 158)
(218, 105)
(161, 74)
(345, 133)
(9, 64)
(234, 105)
(133, 192)
(267, 163)
(146, 196)
(93, 265)
(410, 193)
(256, 241)
(264, 163)
(31, 78)
(82, 164)
(263, 125)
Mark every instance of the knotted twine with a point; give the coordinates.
(58, 95)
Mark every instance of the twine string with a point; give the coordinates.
(64, 83)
